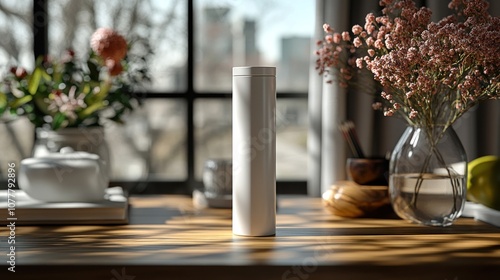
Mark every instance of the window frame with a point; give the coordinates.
(189, 96)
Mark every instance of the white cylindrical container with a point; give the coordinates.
(254, 151)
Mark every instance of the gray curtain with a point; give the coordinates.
(479, 129)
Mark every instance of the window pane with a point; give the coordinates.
(16, 46)
(16, 142)
(152, 141)
(213, 132)
(212, 122)
(291, 139)
(16, 49)
(261, 32)
(162, 24)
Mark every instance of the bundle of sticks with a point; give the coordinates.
(349, 133)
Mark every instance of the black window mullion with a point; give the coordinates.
(40, 28)
(190, 97)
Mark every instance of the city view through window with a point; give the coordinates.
(227, 33)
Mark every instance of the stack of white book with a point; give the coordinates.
(113, 209)
(481, 213)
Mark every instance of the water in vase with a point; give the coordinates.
(429, 199)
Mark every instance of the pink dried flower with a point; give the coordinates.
(359, 62)
(370, 18)
(337, 38)
(356, 29)
(329, 38)
(327, 28)
(370, 41)
(413, 114)
(370, 29)
(346, 36)
(389, 113)
(377, 106)
(423, 65)
(386, 96)
(378, 44)
(357, 42)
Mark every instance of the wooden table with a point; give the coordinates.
(168, 238)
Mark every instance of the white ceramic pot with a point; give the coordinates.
(85, 139)
(67, 176)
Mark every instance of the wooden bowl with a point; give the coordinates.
(368, 171)
(348, 199)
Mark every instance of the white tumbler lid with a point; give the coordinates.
(254, 71)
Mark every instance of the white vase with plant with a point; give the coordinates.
(68, 99)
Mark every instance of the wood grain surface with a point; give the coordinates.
(168, 238)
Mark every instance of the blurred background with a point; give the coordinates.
(186, 117)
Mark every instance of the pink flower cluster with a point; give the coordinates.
(332, 54)
(434, 71)
(111, 46)
(68, 104)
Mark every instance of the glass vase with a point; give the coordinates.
(427, 176)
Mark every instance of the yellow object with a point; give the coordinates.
(483, 181)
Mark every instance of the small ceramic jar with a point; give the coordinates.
(217, 178)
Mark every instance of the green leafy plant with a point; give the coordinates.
(68, 92)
